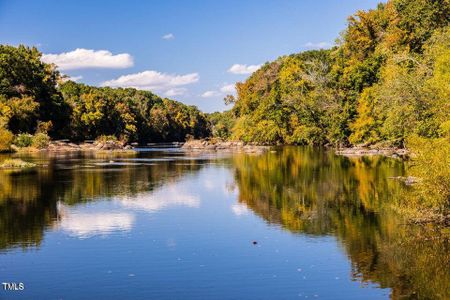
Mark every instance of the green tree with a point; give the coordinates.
(29, 87)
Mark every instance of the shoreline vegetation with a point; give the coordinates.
(384, 85)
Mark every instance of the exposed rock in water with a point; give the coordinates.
(16, 164)
(63, 146)
(365, 151)
(205, 145)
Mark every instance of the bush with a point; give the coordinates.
(40, 140)
(6, 139)
(106, 138)
(23, 140)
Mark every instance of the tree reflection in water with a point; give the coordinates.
(310, 191)
(29, 200)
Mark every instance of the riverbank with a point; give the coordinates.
(231, 146)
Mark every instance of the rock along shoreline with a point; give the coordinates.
(367, 151)
(230, 146)
(65, 146)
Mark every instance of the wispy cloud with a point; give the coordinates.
(175, 92)
(72, 78)
(228, 88)
(319, 45)
(224, 90)
(88, 58)
(169, 84)
(209, 94)
(169, 36)
(243, 69)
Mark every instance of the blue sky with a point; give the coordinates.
(185, 50)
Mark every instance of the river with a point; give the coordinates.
(292, 223)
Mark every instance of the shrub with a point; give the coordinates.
(6, 139)
(44, 127)
(106, 138)
(40, 140)
(23, 140)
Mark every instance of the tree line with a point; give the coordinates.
(386, 80)
(36, 98)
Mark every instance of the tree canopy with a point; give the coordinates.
(384, 81)
(34, 97)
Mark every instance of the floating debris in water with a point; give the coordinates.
(254, 242)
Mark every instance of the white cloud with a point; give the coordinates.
(169, 84)
(87, 58)
(320, 45)
(209, 94)
(228, 89)
(175, 92)
(168, 36)
(75, 78)
(72, 78)
(243, 69)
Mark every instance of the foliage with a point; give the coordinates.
(33, 98)
(28, 91)
(6, 139)
(431, 163)
(130, 115)
(106, 138)
(23, 140)
(386, 79)
(40, 140)
(386, 82)
(221, 124)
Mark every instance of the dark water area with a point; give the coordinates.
(294, 223)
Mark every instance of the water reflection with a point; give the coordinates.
(29, 201)
(169, 196)
(86, 224)
(314, 192)
(305, 191)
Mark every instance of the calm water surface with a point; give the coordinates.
(163, 224)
